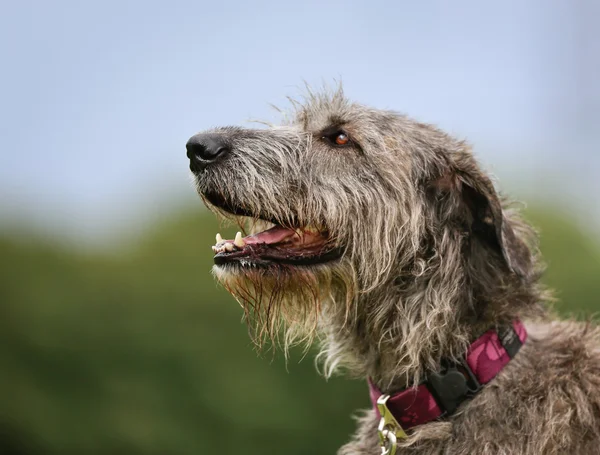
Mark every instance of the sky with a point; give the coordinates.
(98, 98)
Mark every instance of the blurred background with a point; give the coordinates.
(113, 336)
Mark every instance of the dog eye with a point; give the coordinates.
(338, 137)
(342, 139)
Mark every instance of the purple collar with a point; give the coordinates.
(441, 393)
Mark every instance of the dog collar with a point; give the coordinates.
(441, 393)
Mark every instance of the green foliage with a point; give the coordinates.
(573, 263)
(142, 353)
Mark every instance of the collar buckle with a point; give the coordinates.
(454, 385)
(389, 429)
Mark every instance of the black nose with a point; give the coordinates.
(204, 148)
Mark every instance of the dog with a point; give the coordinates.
(384, 239)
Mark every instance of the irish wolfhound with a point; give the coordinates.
(383, 236)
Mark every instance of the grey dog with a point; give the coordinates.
(383, 238)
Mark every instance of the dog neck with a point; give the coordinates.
(442, 393)
(395, 338)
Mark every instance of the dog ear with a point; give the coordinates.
(479, 210)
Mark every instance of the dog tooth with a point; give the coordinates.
(239, 242)
(228, 246)
(219, 238)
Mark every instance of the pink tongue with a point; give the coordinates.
(274, 235)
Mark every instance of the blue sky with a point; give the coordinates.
(97, 98)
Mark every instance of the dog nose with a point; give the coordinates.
(204, 148)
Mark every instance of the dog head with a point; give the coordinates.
(345, 201)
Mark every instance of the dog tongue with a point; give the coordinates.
(276, 234)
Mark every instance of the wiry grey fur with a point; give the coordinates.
(433, 258)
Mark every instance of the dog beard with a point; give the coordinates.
(282, 304)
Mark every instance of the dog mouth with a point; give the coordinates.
(297, 246)
(277, 245)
